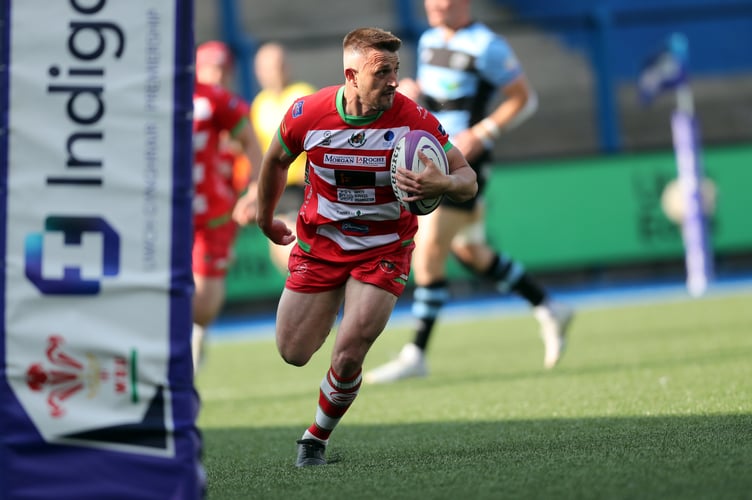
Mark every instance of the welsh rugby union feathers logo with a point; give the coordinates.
(63, 377)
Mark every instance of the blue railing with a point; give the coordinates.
(242, 45)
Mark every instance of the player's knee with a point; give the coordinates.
(294, 352)
(293, 357)
(472, 234)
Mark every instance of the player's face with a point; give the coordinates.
(213, 75)
(447, 13)
(377, 80)
(270, 69)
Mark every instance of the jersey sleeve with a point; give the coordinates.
(292, 129)
(498, 63)
(231, 113)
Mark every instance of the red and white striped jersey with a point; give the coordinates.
(350, 211)
(215, 110)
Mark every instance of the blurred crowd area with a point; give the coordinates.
(572, 89)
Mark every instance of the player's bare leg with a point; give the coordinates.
(208, 297)
(366, 312)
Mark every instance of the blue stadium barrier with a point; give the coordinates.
(618, 35)
(242, 45)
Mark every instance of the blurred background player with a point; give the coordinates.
(462, 67)
(214, 66)
(216, 113)
(268, 107)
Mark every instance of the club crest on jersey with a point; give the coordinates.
(357, 139)
(297, 109)
(300, 269)
(387, 266)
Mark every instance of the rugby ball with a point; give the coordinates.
(405, 155)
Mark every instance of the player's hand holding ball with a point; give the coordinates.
(430, 182)
(419, 172)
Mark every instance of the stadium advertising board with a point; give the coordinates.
(97, 397)
(600, 212)
(589, 213)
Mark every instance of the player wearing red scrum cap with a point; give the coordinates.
(214, 63)
(217, 114)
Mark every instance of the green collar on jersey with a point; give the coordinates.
(350, 119)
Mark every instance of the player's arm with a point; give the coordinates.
(463, 181)
(244, 211)
(519, 103)
(460, 184)
(271, 183)
(248, 139)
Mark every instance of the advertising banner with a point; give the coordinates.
(589, 213)
(96, 394)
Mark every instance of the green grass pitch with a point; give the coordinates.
(651, 401)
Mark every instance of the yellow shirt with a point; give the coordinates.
(267, 111)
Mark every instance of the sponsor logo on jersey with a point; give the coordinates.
(297, 109)
(351, 227)
(356, 196)
(357, 139)
(327, 140)
(355, 178)
(355, 160)
(460, 61)
(388, 139)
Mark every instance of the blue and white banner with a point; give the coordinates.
(96, 394)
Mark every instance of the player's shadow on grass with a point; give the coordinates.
(630, 457)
